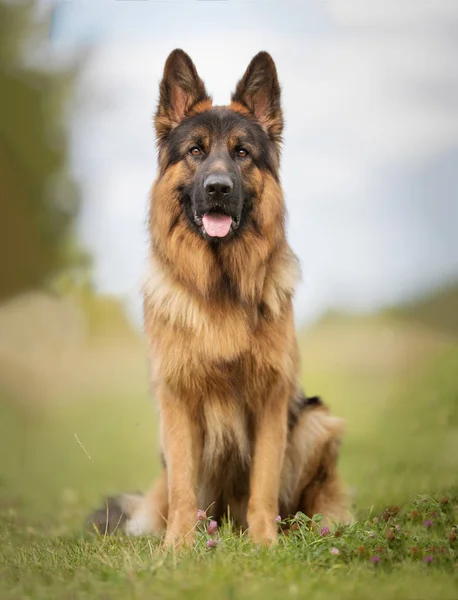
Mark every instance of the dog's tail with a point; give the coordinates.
(134, 514)
(115, 513)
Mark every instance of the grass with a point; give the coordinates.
(93, 431)
(410, 554)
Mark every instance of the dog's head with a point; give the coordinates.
(216, 156)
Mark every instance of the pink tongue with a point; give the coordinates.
(217, 225)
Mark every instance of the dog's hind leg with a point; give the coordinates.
(324, 494)
(311, 481)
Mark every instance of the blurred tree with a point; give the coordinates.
(39, 200)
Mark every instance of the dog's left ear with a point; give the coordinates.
(259, 91)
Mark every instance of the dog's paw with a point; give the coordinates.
(181, 529)
(262, 528)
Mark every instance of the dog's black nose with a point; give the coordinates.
(218, 186)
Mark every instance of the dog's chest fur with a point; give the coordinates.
(197, 342)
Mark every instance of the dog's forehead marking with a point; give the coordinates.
(220, 119)
(220, 123)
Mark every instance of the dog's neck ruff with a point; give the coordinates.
(179, 301)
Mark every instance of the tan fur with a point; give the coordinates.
(223, 352)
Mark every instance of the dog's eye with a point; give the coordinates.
(195, 151)
(241, 152)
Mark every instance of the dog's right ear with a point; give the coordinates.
(181, 88)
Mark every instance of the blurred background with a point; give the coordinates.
(370, 172)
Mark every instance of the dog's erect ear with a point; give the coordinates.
(259, 91)
(180, 89)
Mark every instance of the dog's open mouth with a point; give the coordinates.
(217, 225)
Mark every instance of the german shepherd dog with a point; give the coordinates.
(238, 435)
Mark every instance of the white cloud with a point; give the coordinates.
(393, 13)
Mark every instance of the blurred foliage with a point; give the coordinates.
(39, 201)
(438, 310)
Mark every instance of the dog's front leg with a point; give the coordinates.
(268, 457)
(181, 447)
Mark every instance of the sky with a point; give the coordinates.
(370, 160)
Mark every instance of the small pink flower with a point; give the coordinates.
(325, 531)
(376, 519)
(212, 527)
(428, 559)
(428, 523)
(278, 519)
(375, 559)
(212, 543)
(201, 515)
(335, 551)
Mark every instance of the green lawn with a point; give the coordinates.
(401, 453)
